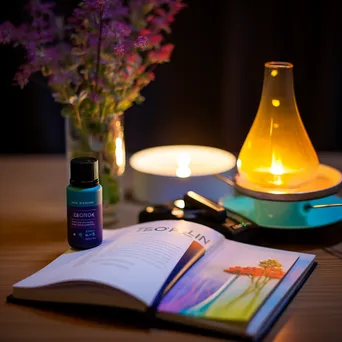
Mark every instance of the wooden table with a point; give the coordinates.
(33, 232)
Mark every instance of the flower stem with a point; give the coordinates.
(78, 116)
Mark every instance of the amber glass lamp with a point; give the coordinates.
(277, 153)
(280, 182)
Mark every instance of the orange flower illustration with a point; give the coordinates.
(269, 268)
(260, 276)
(271, 272)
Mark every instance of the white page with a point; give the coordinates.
(137, 261)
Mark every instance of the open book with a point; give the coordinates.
(185, 272)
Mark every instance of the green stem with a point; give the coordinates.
(256, 295)
(78, 116)
(101, 110)
(249, 290)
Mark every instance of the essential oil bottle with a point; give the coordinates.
(84, 204)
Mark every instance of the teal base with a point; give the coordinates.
(285, 215)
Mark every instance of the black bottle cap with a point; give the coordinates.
(84, 172)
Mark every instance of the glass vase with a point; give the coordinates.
(104, 140)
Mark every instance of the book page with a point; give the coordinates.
(287, 285)
(137, 262)
(230, 284)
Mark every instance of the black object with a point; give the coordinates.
(212, 209)
(196, 208)
(84, 172)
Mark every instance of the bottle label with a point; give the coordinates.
(84, 212)
(85, 225)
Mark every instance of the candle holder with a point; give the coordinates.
(165, 173)
(280, 182)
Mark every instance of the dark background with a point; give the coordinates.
(209, 93)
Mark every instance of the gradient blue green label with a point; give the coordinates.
(84, 212)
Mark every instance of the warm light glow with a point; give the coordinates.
(120, 155)
(183, 161)
(177, 212)
(277, 170)
(276, 167)
(119, 152)
(179, 203)
(277, 153)
(276, 103)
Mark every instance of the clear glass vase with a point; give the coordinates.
(104, 140)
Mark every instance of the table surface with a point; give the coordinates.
(33, 233)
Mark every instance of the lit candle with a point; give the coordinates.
(165, 173)
(273, 176)
(276, 174)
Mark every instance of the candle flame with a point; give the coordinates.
(183, 162)
(277, 170)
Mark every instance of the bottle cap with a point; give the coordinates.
(84, 172)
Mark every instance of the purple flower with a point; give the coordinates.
(39, 22)
(31, 50)
(7, 32)
(94, 97)
(58, 79)
(100, 3)
(78, 14)
(21, 78)
(64, 77)
(97, 5)
(131, 41)
(116, 30)
(115, 9)
(50, 55)
(93, 39)
(119, 49)
(108, 8)
(44, 36)
(140, 42)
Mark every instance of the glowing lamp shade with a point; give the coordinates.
(277, 153)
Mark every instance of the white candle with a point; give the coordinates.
(165, 173)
